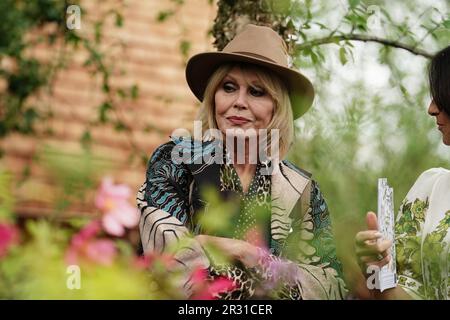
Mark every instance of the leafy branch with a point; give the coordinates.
(364, 38)
(26, 76)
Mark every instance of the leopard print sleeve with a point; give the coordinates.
(308, 267)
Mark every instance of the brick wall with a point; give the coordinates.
(150, 58)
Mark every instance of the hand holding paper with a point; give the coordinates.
(374, 247)
(387, 276)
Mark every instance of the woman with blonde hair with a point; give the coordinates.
(281, 232)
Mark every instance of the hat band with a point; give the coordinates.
(254, 55)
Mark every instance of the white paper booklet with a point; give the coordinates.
(387, 277)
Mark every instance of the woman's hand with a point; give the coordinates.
(237, 249)
(370, 248)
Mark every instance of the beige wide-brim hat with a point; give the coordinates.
(257, 45)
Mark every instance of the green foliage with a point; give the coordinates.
(75, 174)
(25, 76)
(164, 15)
(35, 265)
(134, 91)
(6, 197)
(86, 140)
(37, 270)
(185, 46)
(220, 215)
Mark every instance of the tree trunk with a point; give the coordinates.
(233, 15)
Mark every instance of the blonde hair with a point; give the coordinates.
(282, 118)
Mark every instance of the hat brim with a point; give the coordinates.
(201, 66)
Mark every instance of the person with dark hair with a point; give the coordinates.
(422, 229)
(439, 75)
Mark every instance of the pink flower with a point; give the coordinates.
(142, 262)
(102, 251)
(279, 272)
(221, 284)
(9, 235)
(84, 246)
(88, 232)
(118, 214)
(199, 275)
(209, 290)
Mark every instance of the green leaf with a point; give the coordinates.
(353, 3)
(281, 7)
(104, 108)
(321, 25)
(86, 139)
(303, 35)
(120, 126)
(6, 196)
(314, 57)
(164, 15)
(185, 47)
(105, 86)
(121, 93)
(134, 91)
(446, 24)
(343, 56)
(119, 20)
(144, 159)
(98, 31)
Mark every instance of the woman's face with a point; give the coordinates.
(442, 121)
(242, 102)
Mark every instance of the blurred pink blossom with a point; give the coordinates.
(142, 262)
(84, 246)
(220, 285)
(278, 272)
(199, 275)
(209, 290)
(118, 214)
(9, 235)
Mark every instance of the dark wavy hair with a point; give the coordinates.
(439, 77)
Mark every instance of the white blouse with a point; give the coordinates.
(423, 237)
